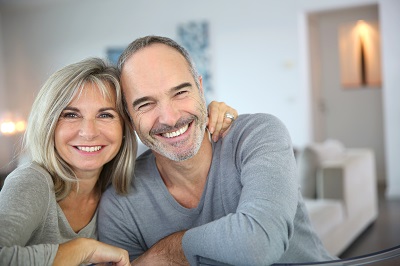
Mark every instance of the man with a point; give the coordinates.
(194, 201)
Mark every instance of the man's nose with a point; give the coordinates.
(89, 129)
(168, 114)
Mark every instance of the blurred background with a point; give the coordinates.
(278, 57)
(329, 69)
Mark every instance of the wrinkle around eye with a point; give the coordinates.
(144, 107)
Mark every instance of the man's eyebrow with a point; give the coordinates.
(180, 86)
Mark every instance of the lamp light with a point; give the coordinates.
(11, 124)
(360, 59)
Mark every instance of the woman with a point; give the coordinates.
(80, 140)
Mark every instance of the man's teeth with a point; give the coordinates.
(89, 149)
(176, 133)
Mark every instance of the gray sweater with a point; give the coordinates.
(32, 223)
(251, 211)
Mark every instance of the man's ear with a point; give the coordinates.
(201, 85)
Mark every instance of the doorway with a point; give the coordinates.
(353, 116)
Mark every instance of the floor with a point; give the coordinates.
(384, 233)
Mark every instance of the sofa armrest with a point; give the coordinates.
(351, 179)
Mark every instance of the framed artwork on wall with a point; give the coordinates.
(194, 36)
(113, 54)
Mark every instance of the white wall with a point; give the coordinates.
(257, 46)
(390, 24)
(254, 47)
(2, 70)
(4, 156)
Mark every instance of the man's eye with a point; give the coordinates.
(181, 93)
(144, 106)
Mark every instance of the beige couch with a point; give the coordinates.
(340, 191)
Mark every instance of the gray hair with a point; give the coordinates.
(55, 95)
(146, 41)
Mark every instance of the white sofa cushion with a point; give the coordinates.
(310, 160)
(325, 215)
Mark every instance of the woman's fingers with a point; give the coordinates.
(220, 118)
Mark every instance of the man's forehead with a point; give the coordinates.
(157, 65)
(154, 56)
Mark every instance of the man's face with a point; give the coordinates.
(168, 110)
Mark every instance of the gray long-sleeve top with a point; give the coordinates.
(32, 223)
(251, 211)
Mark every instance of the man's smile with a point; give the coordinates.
(177, 132)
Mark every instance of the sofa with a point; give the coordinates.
(339, 187)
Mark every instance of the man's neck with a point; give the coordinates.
(186, 180)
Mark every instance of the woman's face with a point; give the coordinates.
(89, 131)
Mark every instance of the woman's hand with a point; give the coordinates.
(218, 122)
(86, 250)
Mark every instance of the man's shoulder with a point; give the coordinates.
(253, 130)
(258, 118)
(258, 122)
(144, 158)
(143, 173)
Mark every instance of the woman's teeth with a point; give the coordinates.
(89, 149)
(176, 133)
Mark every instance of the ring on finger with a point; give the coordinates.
(230, 116)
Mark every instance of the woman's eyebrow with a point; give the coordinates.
(108, 109)
(70, 108)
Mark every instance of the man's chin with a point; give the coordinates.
(177, 156)
(177, 151)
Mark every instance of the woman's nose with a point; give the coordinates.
(89, 130)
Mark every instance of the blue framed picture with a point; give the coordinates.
(113, 55)
(194, 36)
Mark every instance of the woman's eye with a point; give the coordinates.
(69, 115)
(106, 115)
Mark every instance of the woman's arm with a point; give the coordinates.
(86, 250)
(218, 123)
(25, 203)
(74, 252)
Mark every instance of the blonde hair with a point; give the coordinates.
(53, 98)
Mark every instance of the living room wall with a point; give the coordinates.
(4, 154)
(257, 50)
(2, 74)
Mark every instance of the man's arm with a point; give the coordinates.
(167, 251)
(259, 230)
